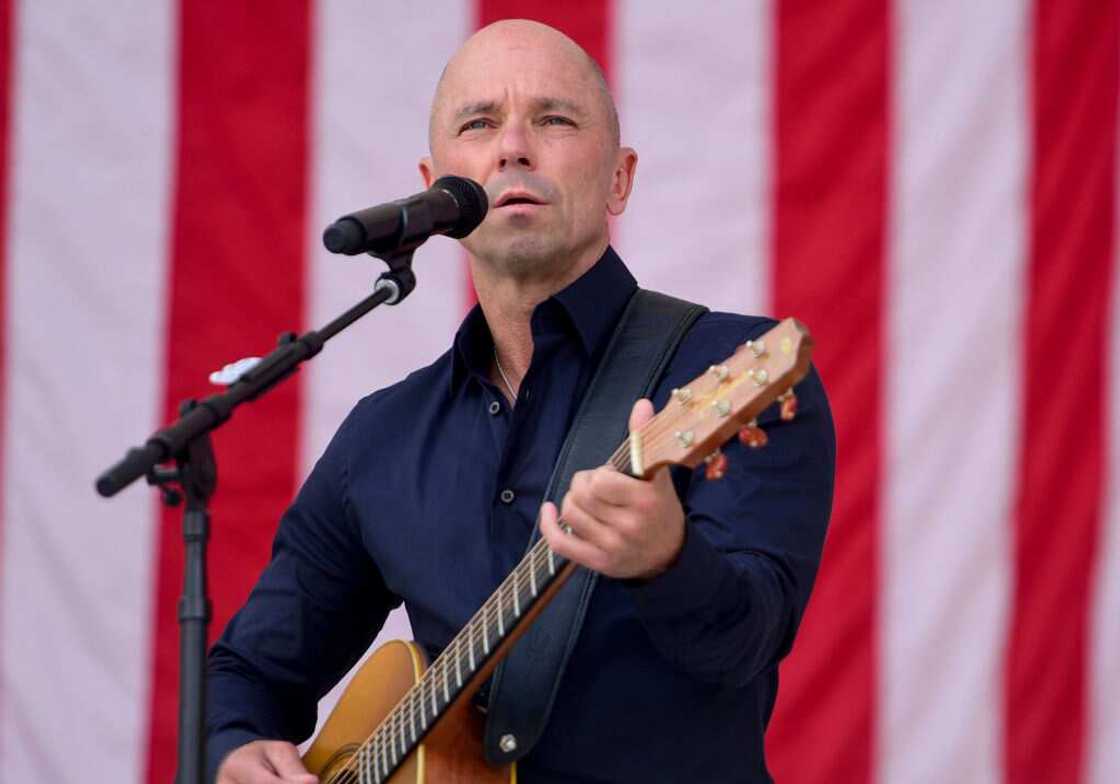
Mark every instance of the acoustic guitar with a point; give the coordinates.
(403, 720)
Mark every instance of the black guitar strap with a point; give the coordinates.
(524, 685)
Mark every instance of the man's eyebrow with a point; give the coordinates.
(542, 104)
(550, 104)
(476, 107)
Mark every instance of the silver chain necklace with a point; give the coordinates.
(502, 373)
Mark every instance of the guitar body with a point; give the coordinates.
(452, 752)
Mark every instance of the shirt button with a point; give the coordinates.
(495, 407)
(507, 496)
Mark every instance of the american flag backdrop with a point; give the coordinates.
(929, 184)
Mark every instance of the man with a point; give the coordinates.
(430, 489)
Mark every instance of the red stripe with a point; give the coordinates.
(830, 198)
(1058, 509)
(587, 22)
(236, 281)
(590, 23)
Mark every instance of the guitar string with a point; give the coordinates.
(395, 724)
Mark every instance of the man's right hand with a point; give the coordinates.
(265, 762)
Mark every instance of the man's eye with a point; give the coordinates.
(473, 125)
(557, 120)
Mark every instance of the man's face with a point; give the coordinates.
(525, 116)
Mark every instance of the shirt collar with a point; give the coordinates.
(593, 303)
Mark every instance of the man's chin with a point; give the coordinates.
(523, 253)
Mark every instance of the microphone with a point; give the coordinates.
(453, 206)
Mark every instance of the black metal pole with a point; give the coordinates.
(197, 474)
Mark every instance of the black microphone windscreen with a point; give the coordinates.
(344, 236)
(472, 201)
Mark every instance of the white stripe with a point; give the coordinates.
(370, 119)
(957, 254)
(694, 101)
(91, 158)
(1103, 688)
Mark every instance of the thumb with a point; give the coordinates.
(641, 413)
(284, 758)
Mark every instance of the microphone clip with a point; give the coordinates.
(399, 280)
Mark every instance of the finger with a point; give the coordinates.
(605, 486)
(549, 522)
(555, 529)
(588, 527)
(571, 547)
(662, 480)
(615, 502)
(641, 413)
(248, 764)
(284, 758)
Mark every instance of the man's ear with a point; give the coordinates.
(622, 181)
(426, 172)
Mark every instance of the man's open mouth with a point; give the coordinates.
(514, 198)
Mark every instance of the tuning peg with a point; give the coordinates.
(683, 395)
(789, 404)
(716, 465)
(752, 435)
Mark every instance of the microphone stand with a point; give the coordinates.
(186, 444)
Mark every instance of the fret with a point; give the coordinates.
(485, 636)
(470, 645)
(390, 753)
(446, 692)
(398, 728)
(501, 626)
(551, 561)
(390, 737)
(419, 697)
(458, 668)
(384, 759)
(516, 597)
(412, 719)
(533, 576)
(435, 710)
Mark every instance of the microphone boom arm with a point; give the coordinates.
(166, 443)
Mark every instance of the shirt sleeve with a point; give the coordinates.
(314, 611)
(728, 607)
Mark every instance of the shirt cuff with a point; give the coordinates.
(687, 586)
(220, 744)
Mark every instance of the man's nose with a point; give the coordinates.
(515, 148)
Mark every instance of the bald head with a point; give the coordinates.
(511, 39)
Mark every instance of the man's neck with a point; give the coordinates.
(508, 303)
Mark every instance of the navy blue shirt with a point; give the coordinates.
(427, 495)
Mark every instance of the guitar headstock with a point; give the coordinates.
(725, 400)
